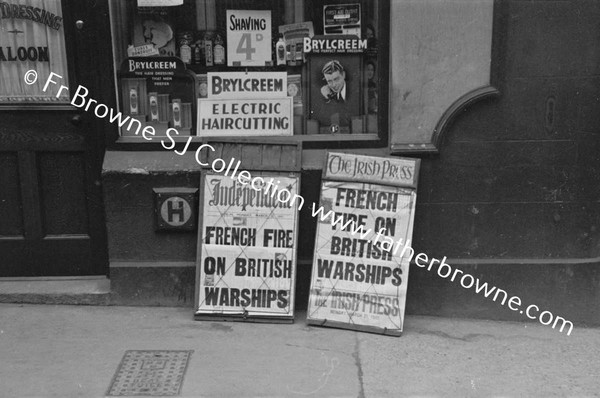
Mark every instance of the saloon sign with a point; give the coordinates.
(32, 39)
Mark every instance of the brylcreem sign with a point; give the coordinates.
(236, 85)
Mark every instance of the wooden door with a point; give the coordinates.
(51, 211)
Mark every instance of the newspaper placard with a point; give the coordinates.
(245, 117)
(360, 272)
(249, 38)
(247, 249)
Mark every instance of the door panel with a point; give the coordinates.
(62, 192)
(46, 227)
(11, 221)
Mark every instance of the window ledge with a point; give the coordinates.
(271, 139)
(146, 162)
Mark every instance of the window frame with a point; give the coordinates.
(69, 33)
(380, 139)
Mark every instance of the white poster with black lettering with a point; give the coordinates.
(245, 104)
(249, 38)
(360, 267)
(247, 248)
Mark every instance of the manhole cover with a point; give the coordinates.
(150, 373)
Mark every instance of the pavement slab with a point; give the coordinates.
(74, 351)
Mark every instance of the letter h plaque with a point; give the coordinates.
(175, 209)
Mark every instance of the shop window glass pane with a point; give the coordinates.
(249, 68)
(32, 45)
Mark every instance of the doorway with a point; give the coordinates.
(51, 209)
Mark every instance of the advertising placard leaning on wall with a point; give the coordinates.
(359, 275)
(246, 266)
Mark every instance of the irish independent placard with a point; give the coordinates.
(360, 267)
(247, 249)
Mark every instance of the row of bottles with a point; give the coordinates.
(205, 51)
(209, 50)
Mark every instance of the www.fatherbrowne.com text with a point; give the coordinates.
(385, 244)
(444, 270)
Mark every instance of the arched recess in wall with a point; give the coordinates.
(444, 56)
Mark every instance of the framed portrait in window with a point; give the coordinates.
(335, 92)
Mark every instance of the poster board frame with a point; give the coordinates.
(408, 186)
(257, 169)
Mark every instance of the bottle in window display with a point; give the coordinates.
(186, 54)
(197, 53)
(153, 101)
(185, 51)
(291, 54)
(176, 105)
(133, 101)
(219, 50)
(208, 49)
(299, 53)
(280, 51)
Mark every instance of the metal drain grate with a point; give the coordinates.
(150, 373)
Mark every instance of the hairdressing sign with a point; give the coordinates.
(32, 39)
(360, 267)
(247, 248)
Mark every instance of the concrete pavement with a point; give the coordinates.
(74, 351)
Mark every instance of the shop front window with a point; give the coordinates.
(309, 69)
